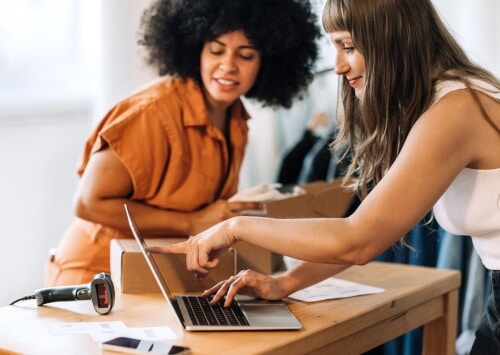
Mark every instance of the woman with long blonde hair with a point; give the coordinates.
(422, 123)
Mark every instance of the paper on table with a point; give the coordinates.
(332, 288)
(102, 331)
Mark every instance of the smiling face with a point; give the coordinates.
(348, 61)
(229, 66)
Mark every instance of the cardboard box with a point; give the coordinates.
(131, 274)
(321, 199)
(256, 258)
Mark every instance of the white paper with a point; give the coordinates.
(87, 328)
(102, 331)
(333, 288)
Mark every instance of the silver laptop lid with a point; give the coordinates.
(149, 258)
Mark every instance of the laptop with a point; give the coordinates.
(195, 313)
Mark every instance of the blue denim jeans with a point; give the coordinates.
(488, 333)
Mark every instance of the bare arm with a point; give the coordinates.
(106, 185)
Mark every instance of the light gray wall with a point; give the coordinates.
(40, 146)
(37, 181)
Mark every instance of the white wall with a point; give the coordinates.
(37, 181)
(40, 147)
(476, 26)
(120, 67)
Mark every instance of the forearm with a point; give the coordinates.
(318, 240)
(152, 221)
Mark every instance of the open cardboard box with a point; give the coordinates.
(131, 274)
(321, 199)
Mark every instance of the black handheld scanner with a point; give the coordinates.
(100, 290)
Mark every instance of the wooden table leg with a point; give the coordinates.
(440, 335)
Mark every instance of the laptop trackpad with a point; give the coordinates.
(268, 314)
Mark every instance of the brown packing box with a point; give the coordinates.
(256, 258)
(322, 199)
(131, 274)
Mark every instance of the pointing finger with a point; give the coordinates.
(178, 248)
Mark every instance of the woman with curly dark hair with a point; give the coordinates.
(173, 150)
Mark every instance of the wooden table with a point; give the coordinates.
(414, 296)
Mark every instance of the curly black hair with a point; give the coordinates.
(173, 32)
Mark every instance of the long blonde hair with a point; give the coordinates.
(407, 49)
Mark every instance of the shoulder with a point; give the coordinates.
(456, 102)
(448, 125)
(160, 89)
(459, 105)
(467, 106)
(457, 124)
(458, 92)
(156, 98)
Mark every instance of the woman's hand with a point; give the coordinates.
(203, 252)
(246, 282)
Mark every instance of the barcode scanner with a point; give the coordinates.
(100, 290)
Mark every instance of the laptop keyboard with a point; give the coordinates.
(202, 313)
